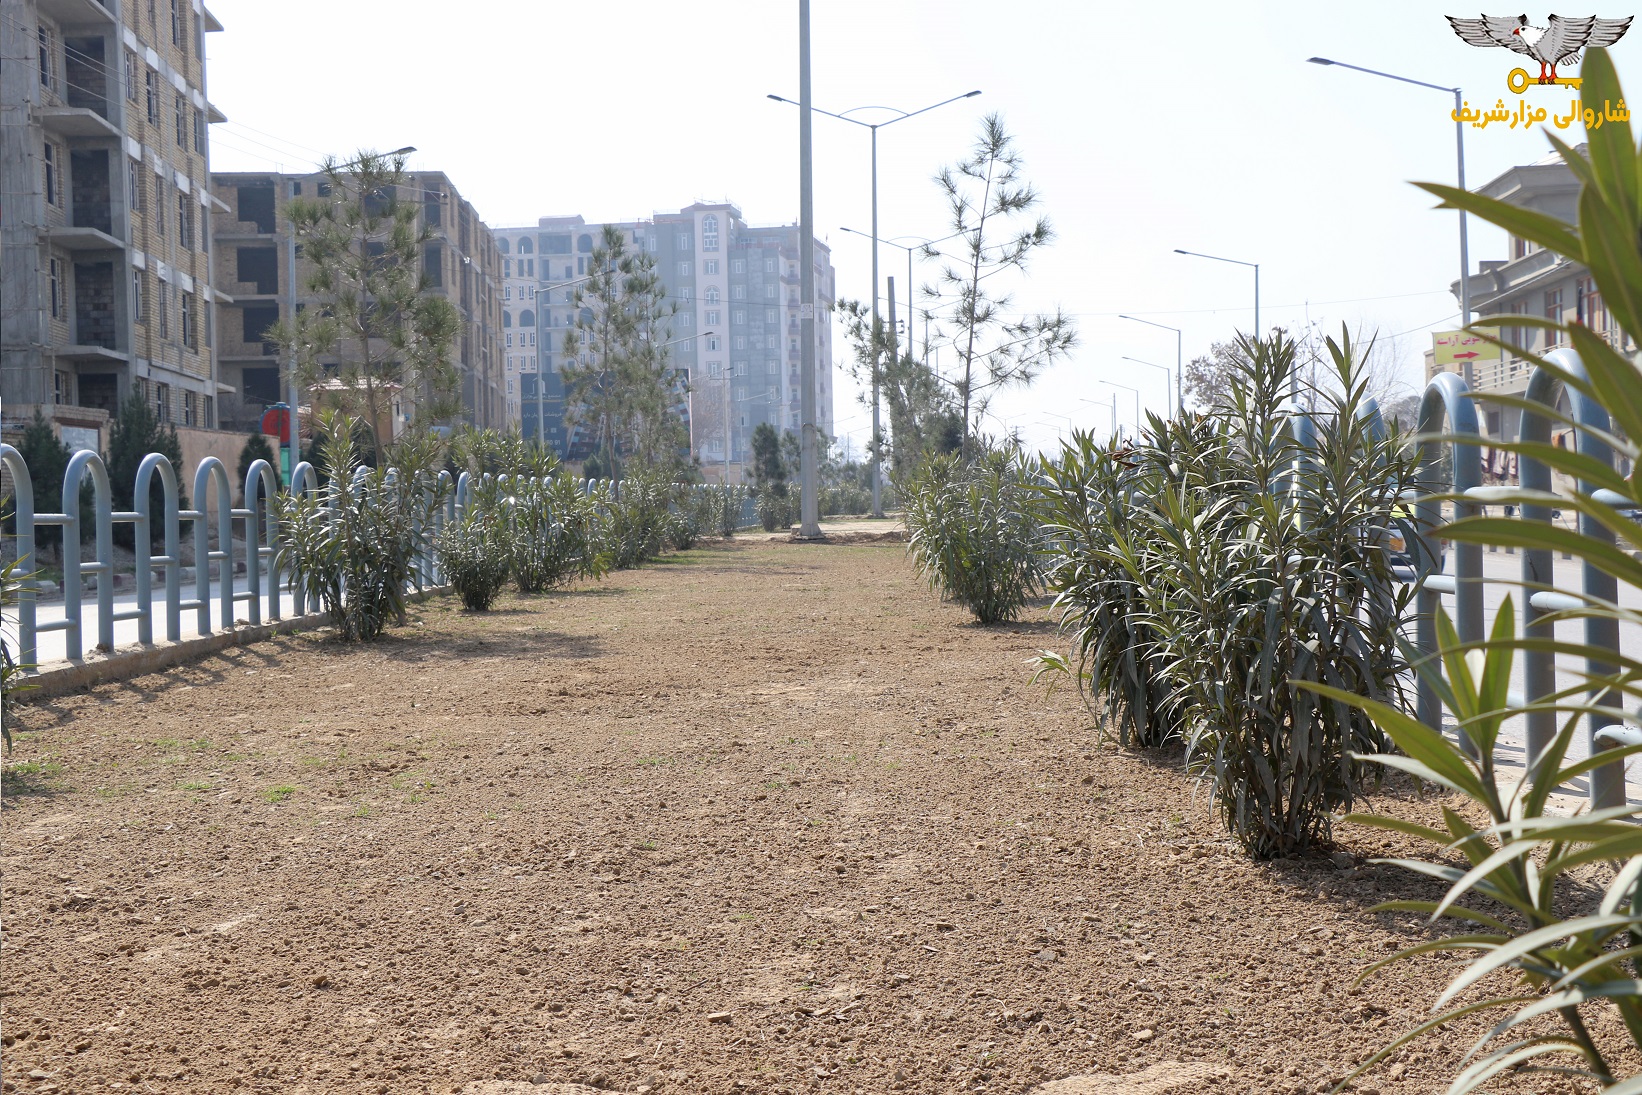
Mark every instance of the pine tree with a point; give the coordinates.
(374, 338)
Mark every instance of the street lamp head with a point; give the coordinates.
(406, 151)
(1179, 251)
(972, 94)
(777, 98)
(1319, 61)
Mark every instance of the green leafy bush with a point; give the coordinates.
(774, 509)
(473, 553)
(974, 533)
(1572, 949)
(352, 545)
(726, 504)
(636, 520)
(1570, 952)
(553, 530)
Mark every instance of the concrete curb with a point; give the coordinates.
(61, 678)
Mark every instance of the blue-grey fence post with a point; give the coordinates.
(154, 463)
(103, 510)
(210, 474)
(22, 502)
(258, 503)
(1445, 399)
(303, 479)
(1538, 568)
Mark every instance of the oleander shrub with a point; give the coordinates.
(637, 513)
(974, 532)
(473, 554)
(774, 508)
(353, 544)
(554, 529)
(726, 504)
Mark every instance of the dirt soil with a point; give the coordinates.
(761, 817)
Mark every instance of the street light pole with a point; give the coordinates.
(1294, 376)
(809, 505)
(1459, 144)
(1126, 388)
(1110, 405)
(902, 115)
(1161, 368)
(1179, 362)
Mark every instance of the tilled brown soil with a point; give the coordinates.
(761, 817)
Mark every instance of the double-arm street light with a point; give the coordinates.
(1179, 361)
(1459, 144)
(901, 116)
(924, 244)
(1160, 368)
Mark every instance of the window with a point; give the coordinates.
(502, 245)
(510, 338)
(738, 292)
(527, 318)
(712, 342)
(135, 183)
(189, 399)
(769, 292)
(769, 266)
(507, 292)
(52, 194)
(738, 266)
(139, 299)
(712, 316)
(61, 388)
(1592, 312)
(189, 338)
(738, 316)
(709, 266)
(181, 119)
(715, 369)
(163, 306)
(530, 268)
(162, 401)
(130, 76)
(1553, 305)
(770, 316)
(711, 296)
(685, 292)
(524, 245)
(199, 131)
(185, 221)
(55, 275)
(684, 241)
(48, 57)
(684, 269)
(686, 319)
(151, 94)
(176, 24)
(709, 232)
(740, 342)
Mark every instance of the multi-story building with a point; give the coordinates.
(255, 256)
(734, 336)
(105, 234)
(1532, 282)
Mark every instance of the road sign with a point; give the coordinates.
(1458, 347)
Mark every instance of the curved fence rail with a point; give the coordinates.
(1447, 403)
(236, 569)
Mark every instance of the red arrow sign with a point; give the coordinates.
(1469, 353)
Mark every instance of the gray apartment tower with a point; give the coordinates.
(105, 234)
(735, 334)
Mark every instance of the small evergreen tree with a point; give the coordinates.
(47, 458)
(256, 448)
(135, 434)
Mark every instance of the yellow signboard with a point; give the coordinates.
(1458, 347)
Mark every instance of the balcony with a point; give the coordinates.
(75, 13)
(75, 121)
(76, 238)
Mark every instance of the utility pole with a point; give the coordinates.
(894, 340)
(809, 526)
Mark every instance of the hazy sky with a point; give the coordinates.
(1199, 126)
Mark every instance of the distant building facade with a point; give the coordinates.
(734, 336)
(105, 237)
(1532, 282)
(257, 256)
